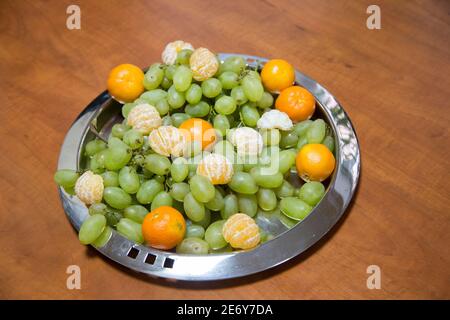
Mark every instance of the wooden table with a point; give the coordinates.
(394, 83)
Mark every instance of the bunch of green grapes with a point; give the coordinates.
(138, 180)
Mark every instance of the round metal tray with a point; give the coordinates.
(287, 244)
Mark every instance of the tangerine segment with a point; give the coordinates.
(314, 162)
(297, 102)
(125, 82)
(241, 231)
(216, 167)
(196, 129)
(277, 74)
(163, 228)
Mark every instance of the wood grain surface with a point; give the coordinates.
(394, 83)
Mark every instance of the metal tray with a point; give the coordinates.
(287, 244)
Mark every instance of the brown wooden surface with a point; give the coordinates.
(394, 83)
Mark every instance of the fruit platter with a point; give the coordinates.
(207, 166)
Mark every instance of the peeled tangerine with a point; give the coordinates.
(247, 141)
(275, 119)
(89, 188)
(169, 55)
(144, 118)
(217, 168)
(204, 64)
(167, 141)
(241, 231)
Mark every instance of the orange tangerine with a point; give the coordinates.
(297, 102)
(277, 74)
(216, 167)
(241, 231)
(314, 162)
(125, 82)
(163, 228)
(197, 129)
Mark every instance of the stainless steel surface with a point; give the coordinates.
(288, 243)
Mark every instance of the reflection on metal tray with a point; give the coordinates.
(286, 244)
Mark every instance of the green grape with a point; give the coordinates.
(198, 110)
(311, 192)
(216, 203)
(243, 182)
(136, 213)
(249, 115)
(206, 221)
(269, 155)
(211, 87)
(193, 246)
(148, 190)
(225, 249)
(166, 83)
(329, 143)
(129, 180)
(182, 78)
(159, 178)
(179, 169)
(248, 204)
(195, 210)
(133, 139)
(225, 105)
(113, 217)
(179, 118)
(202, 188)
(167, 120)
(229, 80)
(286, 160)
(221, 124)
(230, 206)
(194, 94)
(95, 166)
(316, 131)
(153, 77)
(100, 158)
(175, 98)
(194, 231)
(91, 228)
(118, 130)
(170, 71)
(226, 149)
(265, 178)
(130, 230)
(303, 140)
(110, 179)
(253, 88)
(114, 142)
(287, 222)
(285, 190)
(302, 127)
(163, 107)
(158, 164)
(117, 157)
(237, 93)
(234, 64)
(294, 208)
(103, 238)
(179, 190)
(94, 146)
(127, 108)
(266, 100)
(213, 235)
(116, 197)
(183, 56)
(271, 137)
(253, 73)
(66, 178)
(297, 192)
(98, 208)
(288, 139)
(153, 96)
(162, 199)
(267, 200)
